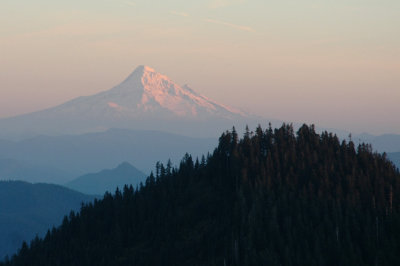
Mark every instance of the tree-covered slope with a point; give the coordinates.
(27, 210)
(270, 198)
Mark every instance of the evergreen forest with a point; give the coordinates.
(271, 197)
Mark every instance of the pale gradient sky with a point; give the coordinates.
(332, 63)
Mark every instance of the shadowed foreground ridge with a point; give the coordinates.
(270, 198)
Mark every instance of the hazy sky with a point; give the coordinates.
(335, 63)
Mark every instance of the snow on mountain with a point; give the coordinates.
(146, 99)
(147, 93)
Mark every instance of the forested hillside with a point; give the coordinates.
(27, 210)
(271, 198)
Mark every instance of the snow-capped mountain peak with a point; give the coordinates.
(146, 91)
(146, 99)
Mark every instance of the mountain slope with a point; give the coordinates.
(28, 209)
(144, 100)
(270, 198)
(107, 180)
(395, 157)
(381, 143)
(92, 152)
(11, 169)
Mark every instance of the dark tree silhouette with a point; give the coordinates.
(271, 198)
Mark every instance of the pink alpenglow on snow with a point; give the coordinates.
(146, 100)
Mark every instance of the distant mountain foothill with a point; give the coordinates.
(27, 210)
(108, 180)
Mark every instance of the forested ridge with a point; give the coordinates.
(273, 197)
(28, 209)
